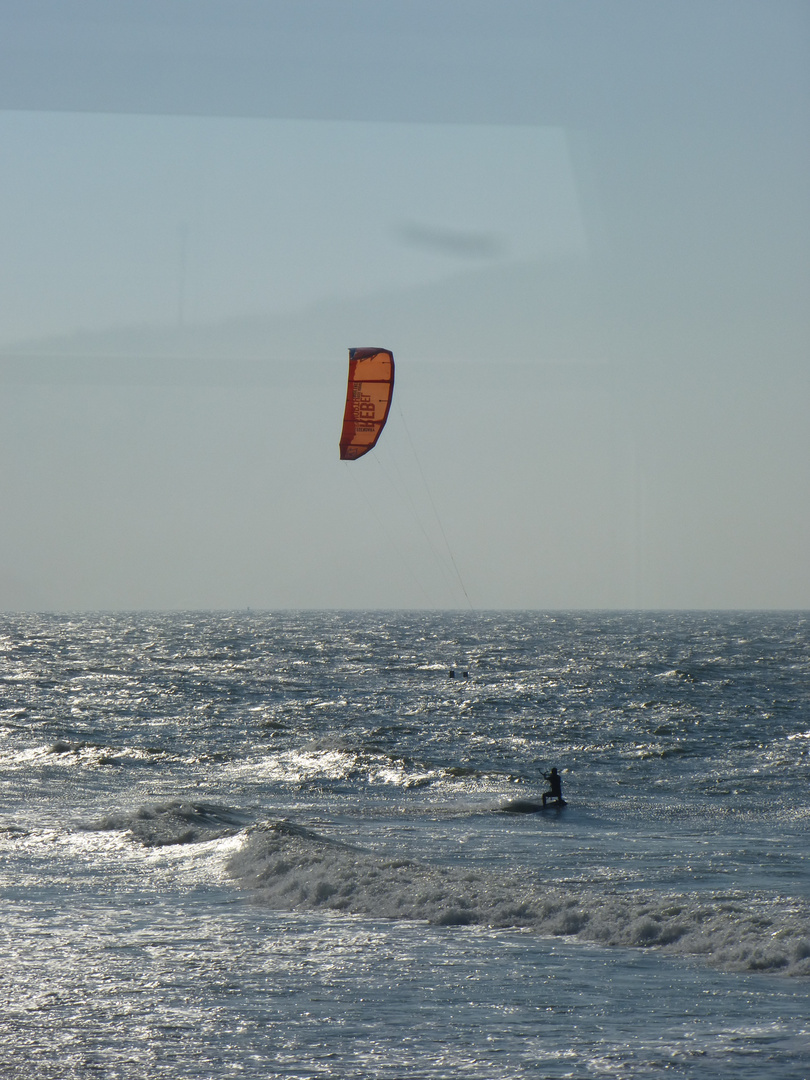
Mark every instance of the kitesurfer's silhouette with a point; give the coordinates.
(555, 785)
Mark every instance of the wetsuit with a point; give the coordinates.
(555, 784)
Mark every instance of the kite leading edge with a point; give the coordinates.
(368, 400)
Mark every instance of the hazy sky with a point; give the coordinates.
(581, 227)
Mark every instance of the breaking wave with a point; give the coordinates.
(175, 822)
(291, 868)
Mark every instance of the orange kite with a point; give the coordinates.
(368, 400)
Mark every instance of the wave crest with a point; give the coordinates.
(291, 868)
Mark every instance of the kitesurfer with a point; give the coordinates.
(555, 784)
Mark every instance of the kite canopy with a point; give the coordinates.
(368, 399)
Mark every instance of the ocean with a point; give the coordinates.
(274, 844)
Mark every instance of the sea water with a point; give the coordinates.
(274, 845)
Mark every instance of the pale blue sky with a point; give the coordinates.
(112, 220)
(581, 227)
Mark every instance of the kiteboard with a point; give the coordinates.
(528, 806)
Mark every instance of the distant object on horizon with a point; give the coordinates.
(368, 401)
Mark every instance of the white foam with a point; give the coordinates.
(290, 868)
(312, 764)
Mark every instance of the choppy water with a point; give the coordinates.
(272, 845)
